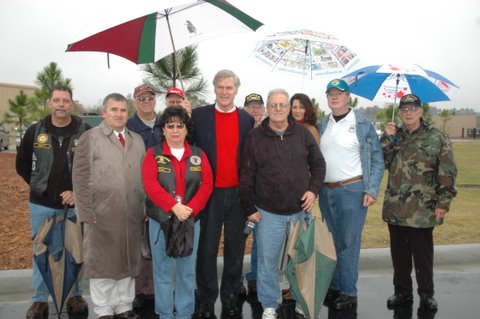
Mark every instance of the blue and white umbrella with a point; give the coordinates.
(388, 82)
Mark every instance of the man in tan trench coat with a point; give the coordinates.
(110, 200)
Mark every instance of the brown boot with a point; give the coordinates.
(77, 308)
(38, 310)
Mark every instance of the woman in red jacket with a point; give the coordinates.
(178, 182)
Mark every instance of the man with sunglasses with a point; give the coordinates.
(421, 186)
(176, 96)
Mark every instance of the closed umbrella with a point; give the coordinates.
(59, 256)
(312, 263)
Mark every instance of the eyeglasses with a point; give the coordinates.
(178, 126)
(275, 105)
(406, 109)
(254, 106)
(145, 98)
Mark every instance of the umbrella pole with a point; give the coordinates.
(175, 57)
(395, 97)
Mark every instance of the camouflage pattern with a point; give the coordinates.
(421, 176)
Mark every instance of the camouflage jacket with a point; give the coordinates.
(421, 176)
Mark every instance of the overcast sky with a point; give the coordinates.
(443, 36)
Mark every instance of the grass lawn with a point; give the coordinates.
(462, 223)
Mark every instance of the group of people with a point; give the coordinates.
(207, 170)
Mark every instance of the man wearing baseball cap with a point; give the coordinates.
(255, 107)
(355, 169)
(176, 96)
(421, 186)
(146, 123)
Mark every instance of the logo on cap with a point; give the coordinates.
(410, 99)
(338, 84)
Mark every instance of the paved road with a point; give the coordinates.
(457, 285)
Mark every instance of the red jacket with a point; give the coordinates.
(160, 197)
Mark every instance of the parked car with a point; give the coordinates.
(4, 138)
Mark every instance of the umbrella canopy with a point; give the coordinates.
(151, 37)
(388, 82)
(59, 256)
(312, 263)
(306, 53)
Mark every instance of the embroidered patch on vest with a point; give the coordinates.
(195, 160)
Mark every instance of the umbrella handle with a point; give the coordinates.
(395, 97)
(174, 51)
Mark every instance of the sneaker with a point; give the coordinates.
(38, 310)
(299, 311)
(269, 313)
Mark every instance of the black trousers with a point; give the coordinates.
(408, 242)
(223, 209)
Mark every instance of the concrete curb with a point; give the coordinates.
(455, 257)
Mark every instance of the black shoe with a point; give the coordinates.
(206, 311)
(345, 302)
(77, 308)
(331, 297)
(398, 299)
(38, 310)
(127, 315)
(231, 312)
(139, 301)
(427, 302)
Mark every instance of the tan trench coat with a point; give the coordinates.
(108, 187)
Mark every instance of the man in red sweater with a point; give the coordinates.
(220, 129)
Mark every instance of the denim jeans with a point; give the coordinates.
(173, 293)
(270, 233)
(342, 208)
(38, 214)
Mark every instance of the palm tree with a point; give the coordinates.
(353, 102)
(47, 79)
(316, 106)
(445, 116)
(22, 112)
(163, 74)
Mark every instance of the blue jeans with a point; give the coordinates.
(38, 214)
(270, 233)
(170, 294)
(342, 208)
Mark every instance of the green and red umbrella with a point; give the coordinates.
(151, 37)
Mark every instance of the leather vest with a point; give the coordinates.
(166, 178)
(42, 156)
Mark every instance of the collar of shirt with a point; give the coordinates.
(233, 109)
(116, 133)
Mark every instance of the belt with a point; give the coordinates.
(345, 182)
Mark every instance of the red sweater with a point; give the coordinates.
(227, 149)
(160, 197)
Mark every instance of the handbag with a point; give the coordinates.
(178, 236)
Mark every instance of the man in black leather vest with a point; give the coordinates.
(44, 161)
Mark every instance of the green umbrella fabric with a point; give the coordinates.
(312, 263)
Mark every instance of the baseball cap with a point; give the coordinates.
(253, 97)
(410, 99)
(176, 91)
(338, 84)
(143, 88)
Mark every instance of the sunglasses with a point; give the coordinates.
(178, 126)
(145, 98)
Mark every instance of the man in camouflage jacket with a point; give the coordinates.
(421, 185)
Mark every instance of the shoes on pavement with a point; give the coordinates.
(269, 313)
(428, 302)
(77, 308)
(345, 302)
(398, 299)
(331, 297)
(206, 311)
(38, 310)
(127, 315)
(231, 312)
